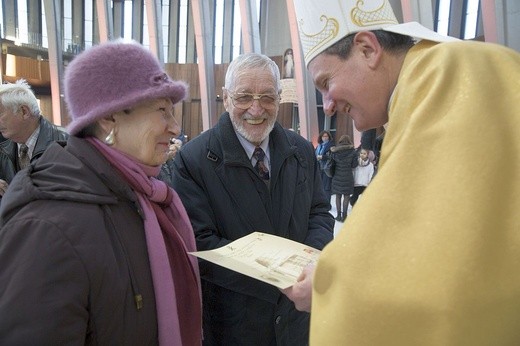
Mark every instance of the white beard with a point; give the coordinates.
(252, 138)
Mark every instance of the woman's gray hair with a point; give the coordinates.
(14, 95)
(244, 63)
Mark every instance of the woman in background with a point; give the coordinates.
(346, 159)
(325, 142)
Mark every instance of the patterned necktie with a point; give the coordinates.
(260, 166)
(24, 156)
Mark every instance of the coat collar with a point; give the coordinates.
(224, 144)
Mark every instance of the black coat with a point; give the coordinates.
(226, 199)
(73, 255)
(9, 150)
(346, 158)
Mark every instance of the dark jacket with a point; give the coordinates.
(9, 150)
(345, 158)
(226, 199)
(73, 255)
(166, 173)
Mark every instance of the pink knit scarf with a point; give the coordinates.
(169, 236)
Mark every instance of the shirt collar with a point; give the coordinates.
(250, 147)
(30, 142)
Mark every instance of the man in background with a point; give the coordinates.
(26, 131)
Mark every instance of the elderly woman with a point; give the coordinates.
(93, 247)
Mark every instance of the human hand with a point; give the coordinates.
(301, 292)
(3, 187)
(175, 146)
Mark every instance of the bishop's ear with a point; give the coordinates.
(368, 45)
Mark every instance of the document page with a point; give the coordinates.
(265, 257)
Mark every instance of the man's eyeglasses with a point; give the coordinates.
(245, 101)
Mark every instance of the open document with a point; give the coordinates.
(265, 257)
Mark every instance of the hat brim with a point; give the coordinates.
(416, 30)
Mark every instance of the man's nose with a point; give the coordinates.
(256, 108)
(329, 106)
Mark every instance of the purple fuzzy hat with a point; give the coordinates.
(114, 76)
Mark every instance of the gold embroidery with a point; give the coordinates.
(382, 15)
(313, 42)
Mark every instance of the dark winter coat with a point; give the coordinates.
(74, 261)
(9, 150)
(166, 173)
(226, 199)
(346, 158)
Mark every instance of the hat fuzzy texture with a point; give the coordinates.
(114, 76)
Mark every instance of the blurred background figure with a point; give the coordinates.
(346, 159)
(94, 247)
(363, 174)
(325, 142)
(288, 67)
(25, 131)
(372, 140)
(166, 173)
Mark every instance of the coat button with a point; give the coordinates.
(278, 319)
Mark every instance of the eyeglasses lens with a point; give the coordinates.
(245, 101)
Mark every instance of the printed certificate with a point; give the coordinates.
(275, 260)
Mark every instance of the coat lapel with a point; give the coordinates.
(267, 209)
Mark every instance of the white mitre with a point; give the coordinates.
(324, 22)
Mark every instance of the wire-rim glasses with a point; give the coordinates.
(244, 101)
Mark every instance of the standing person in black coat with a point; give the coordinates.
(325, 142)
(166, 173)
(345, 157)
(229, 193)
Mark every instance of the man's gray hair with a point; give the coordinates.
(15, 95)
(245, 62)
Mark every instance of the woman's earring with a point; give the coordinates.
(110, 139)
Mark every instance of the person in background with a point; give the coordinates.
(25, 132)
(372, 140)
(346, 159)
(249, 174)
(94, 249)
(325, 142)
(430, 257)
(362, 175)
(288, 70)
(166, 173)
